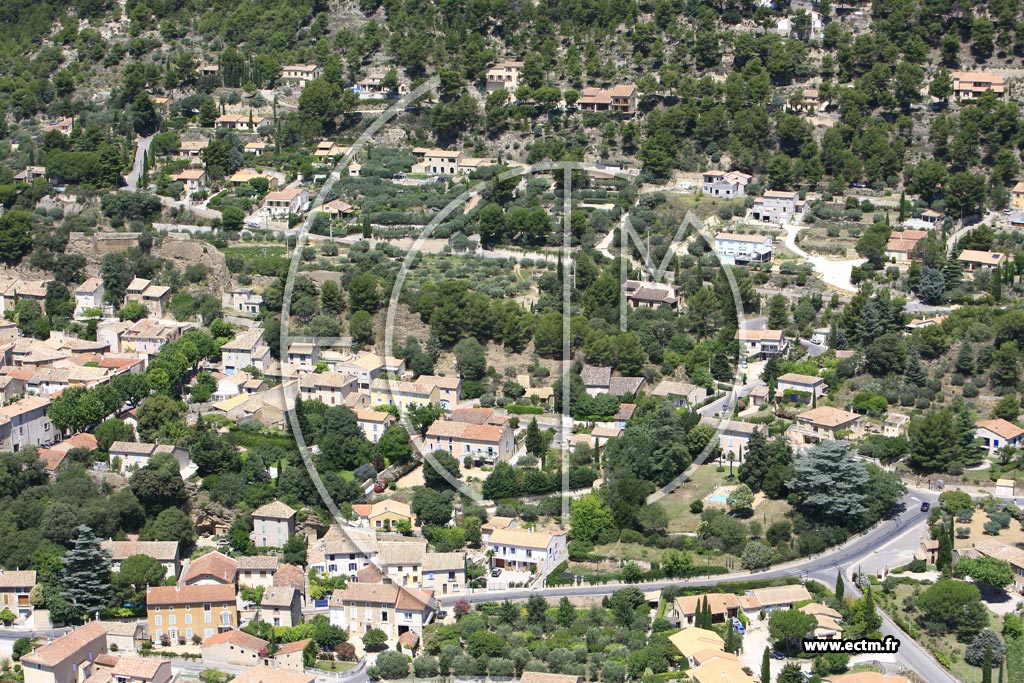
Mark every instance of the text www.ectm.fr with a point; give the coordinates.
(887, 645)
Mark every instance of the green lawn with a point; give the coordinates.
(333, 665)
(677, 503)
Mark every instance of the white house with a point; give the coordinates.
(998, 433)
(291, 200)
(682, 394)
(504, 76)
(776, 207)
(800, 388)
(272, 524)
(329, 388)
(734, 248)
(248, 349)
(762, 344)
(525, 549)
(164, 552)
(243, 300)
(134, 456)
(88, 295)
(726, 184)
(396, 610)
(373, 422)
(300, 74)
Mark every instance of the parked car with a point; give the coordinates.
(441, 614)
(738, 626)
(777, 655)
(496, 572)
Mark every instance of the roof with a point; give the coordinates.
(595, 376)
(191, 174)
(397, 554)
(282, 596)
(25, 405)
(409, 639)
(623, 386)
(606, 432)
(367, 415)
(290, 575)
(817, 608)
(18, 579)
(375, 593)
(158, 550)
(60, 649)
(89, 286)
(213, 563)
(444, 562)
(719, 603)
(189, 595)
(286, 195)
(122, 628)
(265, 674)
(625, 411)
(258, 562)
(138, 667)
(544, 677)
(758, 335)
(827, 416)
(467, 431)
(1001, 427)
(440, 382)
(736, 237)
(274, 510)
(865, 677)
(667, 387)
(718, 670)
(991, 547)
(780, 595)
(796, 378)
(974, 256)
(246, 340)
(691, 640)
(524, 538)
(289, 648)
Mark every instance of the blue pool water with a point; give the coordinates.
(719, 498)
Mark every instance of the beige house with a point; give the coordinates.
(193, 179)
(393, 609)
(991, 547)
(233, 648)
(969, 85)
(620, 99)
(373, 422)
(213, 568)
(824, 423)
(693, 643)
(15, 587)
(369, 366)
(257, 571)
(124, 636)
(67, 659)
(444, 573)
(402, 395)
(239, 122)
(734, 435)
(300, 74)
(281, 607)
(448, 388)
(776, 206)
(504, 76)
(828, 626)
(248, 349)
(181, 612)
(384, 514)
(164, 552)
(272, 524)
(974, 260)
(141, 670)
(289, 655)
(762, 344)
(242, 300)
(895, 425)
(330, 388)
(486, 443)
(1017, 196)
(682, 394)
(303, 356)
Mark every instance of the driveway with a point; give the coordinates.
(755, 640)
(833, 273)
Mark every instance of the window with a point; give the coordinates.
(384, 616)
(188, 619)
(159, 621)
(172, 619)
(208, 632)
(188, 633)
(352, 612)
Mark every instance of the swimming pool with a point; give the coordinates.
(718, 498)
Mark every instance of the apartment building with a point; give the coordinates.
(180, 612)
(25, 423)
(444, 573)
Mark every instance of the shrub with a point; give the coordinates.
(975, 654)
(697, 507)
(392, 665)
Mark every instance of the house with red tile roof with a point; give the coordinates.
(998, 433)
(179, 613)
(359, 607)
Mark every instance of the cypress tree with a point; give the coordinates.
(986, 667)
(85, 578)
(840, 587)
(766, 665)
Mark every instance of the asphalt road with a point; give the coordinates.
(822, 567)
(132, 179)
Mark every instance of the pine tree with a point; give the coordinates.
(840, 587)
(913, 373)
(766, 665)
(965, 360)
(85, 579)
